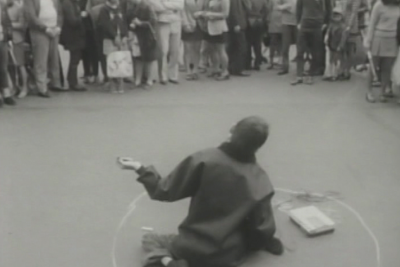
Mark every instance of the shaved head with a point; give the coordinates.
(250, 133)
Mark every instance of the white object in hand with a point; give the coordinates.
(129, 163)
(84, 14)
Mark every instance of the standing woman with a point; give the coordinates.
(382, 43)
(73, 39)
(191, 37)
(114, 32)
(274, 30)
(215, 34)
(142, 22)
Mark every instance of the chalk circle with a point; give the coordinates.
(349, 245)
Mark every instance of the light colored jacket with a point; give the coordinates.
(168, 11)
(17, 17)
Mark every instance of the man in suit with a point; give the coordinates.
(237, 43)
(45, 19)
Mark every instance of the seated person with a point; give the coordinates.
(230, 214)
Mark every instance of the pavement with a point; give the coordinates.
(62, 195)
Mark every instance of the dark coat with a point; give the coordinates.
(238, 14)
(146, 32)
(230, 213)
(73, 31)
(111, 21)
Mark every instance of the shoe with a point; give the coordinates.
(44, 95)
(178, 263)
(389, 94)
(256, 67)
(240, 74)
(275, 247)
(283, 72)
(58, 89)
(23, 93)
(128, 80)
(163, 82)
(173, 81)
(270, 67)
(214, 74)
(223, 77)
(297, 81)
(78, 88)
(370, 98)
(309, 80)
(9, 101)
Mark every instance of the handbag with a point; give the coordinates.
(119, 64)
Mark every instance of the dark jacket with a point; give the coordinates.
(230, 213)
(73, 31)
(111, 21)
(238, 14)
(145, 33)
(312, 14)
(32, 10)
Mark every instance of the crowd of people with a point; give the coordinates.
(222, 38)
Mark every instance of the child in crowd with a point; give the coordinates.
(114, 31)
(335, 40)
(17, 18)
(142, 22)
(5, 36)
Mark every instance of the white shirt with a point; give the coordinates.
(48, 13)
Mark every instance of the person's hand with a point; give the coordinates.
(198, 14)
(187, 28)
(84, 14)
(237, 28)
(137, 21)
(128, 164)
(324, 27)
(50, 32)
(347, 29)
(299, 27)
(57, 31)
(132, 25)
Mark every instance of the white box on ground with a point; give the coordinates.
(312, 220)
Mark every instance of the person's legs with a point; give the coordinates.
(301, 50)
(188, 57)
(257, 46)
(72, 76)
(250, 41)
(316, 52)
(237, 52)
(54, 63)
(164, 32)
(286, 42)
(196, 56)
(149, 72)
(174, 51)
(386, 74)
(5, 92)
(138, 72)
(40, 51)
(222, 60)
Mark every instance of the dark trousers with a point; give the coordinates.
(90, 55)
(289, 36)
(101, 58)
(75, 57)
(3, 66)
(237, 51)
(310, 42)
(254, 35)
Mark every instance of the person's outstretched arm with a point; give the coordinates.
(179, 184)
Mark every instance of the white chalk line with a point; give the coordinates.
(358, 216)
(132, 208)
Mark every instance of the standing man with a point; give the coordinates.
(255, 31)
(237, 43)
(45, 21)
(169, 28)
(289, 31)
(312, 17)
